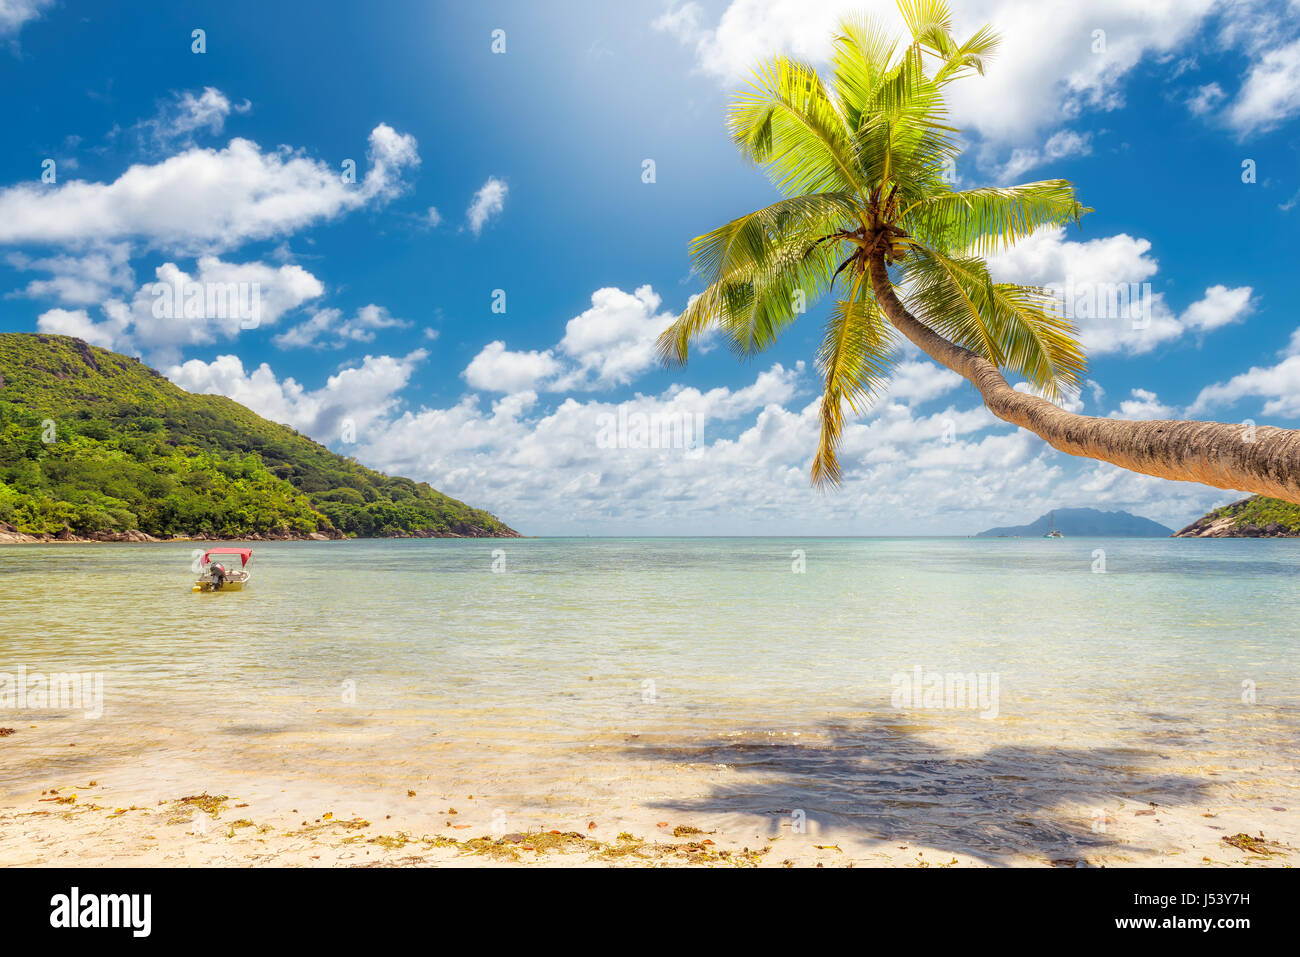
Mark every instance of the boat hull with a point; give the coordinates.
(211, 587)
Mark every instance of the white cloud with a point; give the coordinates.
(1271, 93)
(613, 342)
(77, 322)
(276, 290)
(1060, 145)
(14, 13)
(1105, 287)
(914, 382)
(329, 323)
(1278, 385)
(1221, 306)
(489, 201)
(497, 369)
(79, 279)
(1206, 99)
(551, 470)
(364, 394)
(217, 301)
(433, 217)
(608, 345)
(204, 199)
(1046, 69)
(1143, 404)
(186, 114)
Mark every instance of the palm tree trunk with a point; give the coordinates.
(1263, 459)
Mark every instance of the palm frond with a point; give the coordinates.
(925, 18)
(787, 123)
(763, 270)
(988, 219)
(1039, 343)
(952, 294)
(1015, 327)
(862, 58)
(902, 140)
(856, 357)
(751, 242)
(969, 57)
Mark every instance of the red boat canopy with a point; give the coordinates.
(244, 554)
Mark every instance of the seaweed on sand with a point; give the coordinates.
(1256, 845)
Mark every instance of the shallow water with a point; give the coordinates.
(702, 675)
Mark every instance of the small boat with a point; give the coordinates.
(1053, 532)
(216, 577)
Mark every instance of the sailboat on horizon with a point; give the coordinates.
(1052, 532)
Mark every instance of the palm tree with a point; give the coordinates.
(870, 217)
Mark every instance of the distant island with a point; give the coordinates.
(1083, 523)
(1254, 517)
(97, 446)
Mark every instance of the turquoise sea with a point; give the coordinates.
(730, 678)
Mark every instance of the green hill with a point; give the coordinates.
(1254, 517)
(97, 444)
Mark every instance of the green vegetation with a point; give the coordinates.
(1263, 513)
(92, 442)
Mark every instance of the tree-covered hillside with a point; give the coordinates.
(1254, 517)
(96, 442)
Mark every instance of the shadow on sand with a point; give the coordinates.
(878, 780)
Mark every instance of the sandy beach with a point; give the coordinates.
(230, 820)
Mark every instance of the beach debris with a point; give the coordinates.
(5, 732)
(205, 802)
(410, 793)
(391, 842)
(681, 830)
(1254, 845)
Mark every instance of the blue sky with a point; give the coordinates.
(376, 331)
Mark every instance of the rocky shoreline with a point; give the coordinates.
(9, 535)
(1228, 522)
(1228, 527)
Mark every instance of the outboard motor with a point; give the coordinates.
(218, 573)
